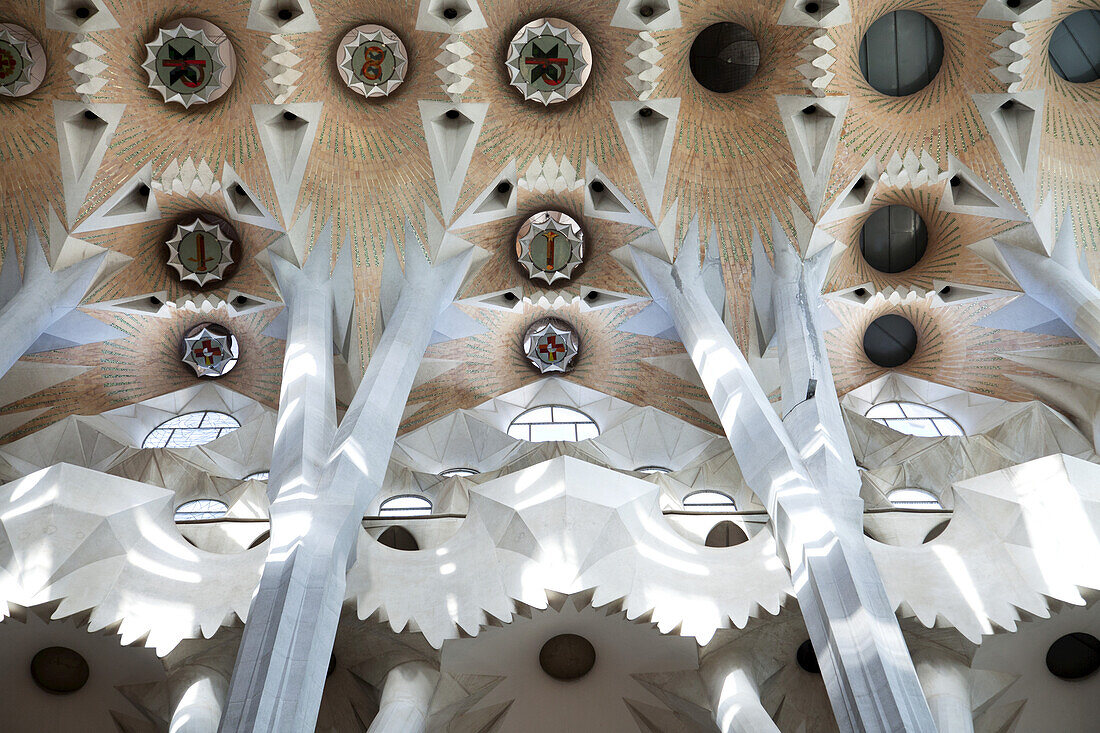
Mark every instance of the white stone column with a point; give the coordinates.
(303, 438)
(945, 677)
(197, 695)
(293, 619)
(1059, 282)
(734, 694)
(406, 699)
(864, 661)
(40, 300)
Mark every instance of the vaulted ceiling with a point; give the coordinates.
(388, 168)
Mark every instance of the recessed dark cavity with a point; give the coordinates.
(567, 657)
(285, 14)
(90, 115)
(645, 112)
(290, 117)
(592, 295)
(812, 8)
(1074, 656)
(956, 181)
(807, 658)
(725, 534)
(82, 12)
(452, 114)
(859, 292)
(1075, 47)
(143, 190)
(597, 186)
(646, 11)
(504, 187)
(239, 189)
(890, 341)
(901, 53)
(399, 538)
(59, 670)
(450, 13)
(724, 57)
(893, 239)
(509, 296)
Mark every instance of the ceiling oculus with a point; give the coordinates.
(200, 252)
(22, 61)
(549, 60)
(550, 245)
(372, 60)
(551, 345)
(191, 62)
(211, 350)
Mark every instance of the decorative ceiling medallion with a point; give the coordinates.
(550, 245)
(200, 252)
(190, 63)
(22, 61)
(551, 345)
(549, 60)
(211, 350)
(372, 60)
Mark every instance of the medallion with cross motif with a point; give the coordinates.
(550, 245)
(22, 61)
(200, 252)
(210, 349)
(190, 62)
(551, 345)
(549, 60)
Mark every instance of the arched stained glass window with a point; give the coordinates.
(187, 431)
(405, 506)
(914, 499)
(553, 422)
(914, 419)
(709, 501)
(201, 509)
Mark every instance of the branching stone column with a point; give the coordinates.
(864, 661)
(734, 694)
(945, 676)
(303, 437)
(302, 590)
(43, 297)
(197, 696)
(406, 699)
(1059, 282)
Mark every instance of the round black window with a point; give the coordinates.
(59, 670)
(1074, 656)
(901, 53)
(890, 341)
(1075, 47)
(807, 658)
(724, 57)
(893, 238)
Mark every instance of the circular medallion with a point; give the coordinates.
(372, 60)
(551, 345)
(22, 61)
(549, 60)
(190, 63)
(550, 245)
(200, 252)
(211, 350)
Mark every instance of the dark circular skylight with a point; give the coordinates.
(59, 670)
(901, 53)
(567, 657)
(890, 341)
(724, 57)
(893, 238)
(1075, 47)
(807, 658)
(1074, 656)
